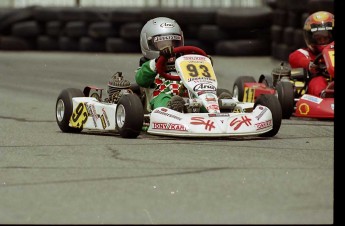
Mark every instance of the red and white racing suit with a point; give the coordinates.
(301, 58)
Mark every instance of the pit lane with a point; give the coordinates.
(49, 177)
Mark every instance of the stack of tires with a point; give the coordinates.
(288, 20)
(273, 28)
(230, 31)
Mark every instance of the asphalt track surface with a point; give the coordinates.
(50, 177)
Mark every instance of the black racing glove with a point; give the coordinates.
(313, 68)
(167, 52)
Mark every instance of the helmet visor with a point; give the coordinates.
(160, 41)
(320, 37)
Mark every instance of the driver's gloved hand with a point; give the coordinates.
(313, 68)
(167, 52)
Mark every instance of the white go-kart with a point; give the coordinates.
(126, 110)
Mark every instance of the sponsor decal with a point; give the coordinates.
(104, 119)
(167, 25)
(204, 87)
(104, 125)
(106, 116)
(166, 37)
(303, 109)
(209, 124)
(169, 126)
(311, 98)
(92, 111)
(200, 58)
(219, 115)
(200, 79)
(163, 112)
(212, 107)
(238, 122)
(79, 116)
(263, 110)
(263, 125)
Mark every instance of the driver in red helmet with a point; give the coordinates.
(318, 32)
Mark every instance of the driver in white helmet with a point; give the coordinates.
(158, 38)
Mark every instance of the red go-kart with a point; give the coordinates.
(290, 86)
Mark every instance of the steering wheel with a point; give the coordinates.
(161, 61)
(321, 64)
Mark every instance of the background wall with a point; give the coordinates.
(223, 27)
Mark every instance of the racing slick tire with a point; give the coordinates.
(238, 87)
(220, 91)
(64, 109)
(286, 97)
(267, 80)
(129, 116)
(271, 102)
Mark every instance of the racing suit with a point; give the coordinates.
(146, 76)
(302, 58)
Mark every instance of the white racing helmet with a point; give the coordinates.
(158, 33)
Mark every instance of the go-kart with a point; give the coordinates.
(127, 110)
(290, 86)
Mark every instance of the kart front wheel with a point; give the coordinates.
(238, 87)
(220, 91)
(64, 109)
(286, 97)
(272, 103)
(129, 116)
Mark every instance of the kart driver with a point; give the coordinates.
(318, 32)
(158, 37)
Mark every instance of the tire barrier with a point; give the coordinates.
(231, 31)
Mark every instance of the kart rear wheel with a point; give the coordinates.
(64, 109)
(286, 96)
(267, 80)
(271, 102)
(129, 116)
(238, 88)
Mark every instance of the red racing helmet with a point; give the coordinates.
(318, 30)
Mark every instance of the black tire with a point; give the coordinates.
(47, 43)
(286, 96)
(243, 47)
(87, 44)
(102, 30)
(267, 80)
(62, 118)
(238, 87)
(129, 116)
(271, 101)
(119, 45)
(219, 91)
(131, 31)
(26, 29)
(244, 17)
